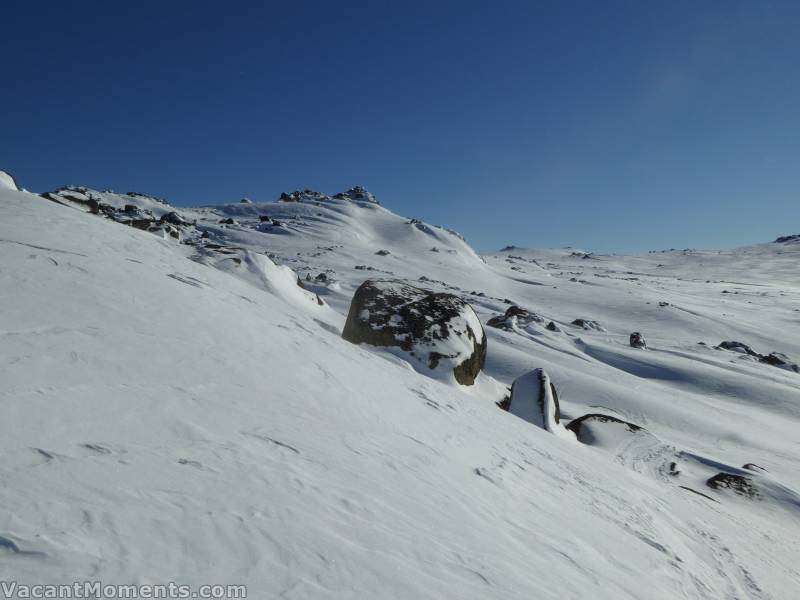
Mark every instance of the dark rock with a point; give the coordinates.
(737, 483)
(174, 218)
(552, 326)
(143, 224)
(753, 467)
(147, 197)
(515, 316)
(587, 324)
(505, 403)
(359, 194)
(228, 221)
(305, 195)
(738, 347)
(637, 340)
(264, 218)
(438, 330)
(383, 253)
(788, 238)
(776, 359)
(321, 278)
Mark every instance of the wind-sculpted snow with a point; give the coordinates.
(180, 409)
(7, 182)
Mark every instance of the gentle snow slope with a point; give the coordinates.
(165, 420)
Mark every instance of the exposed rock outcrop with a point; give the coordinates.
(788, 238)
(776, 359)
(739, 484)
(637, 340)
(434, 331)
(514, 316)
(359, 194)
(587, 324)
(589, 429)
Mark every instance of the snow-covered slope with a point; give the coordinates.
(186, 412)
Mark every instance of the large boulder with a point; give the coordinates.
(534, 399)
(434, 331)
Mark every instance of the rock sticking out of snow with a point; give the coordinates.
(514, 316)
(788, 238)
(739, 484)
(434, 331)
(358, 194)
(776, 359)
(587, 324)
(637, 340)
(534, 399)
(594, 429)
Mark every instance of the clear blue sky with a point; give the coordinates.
(614, 126)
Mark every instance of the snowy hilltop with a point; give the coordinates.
(318, 398)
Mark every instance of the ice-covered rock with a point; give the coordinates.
(433, 331)
(534, 399)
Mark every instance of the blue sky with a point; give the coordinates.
(614, 126)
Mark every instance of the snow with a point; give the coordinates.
(172, 414)
(7, 181)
